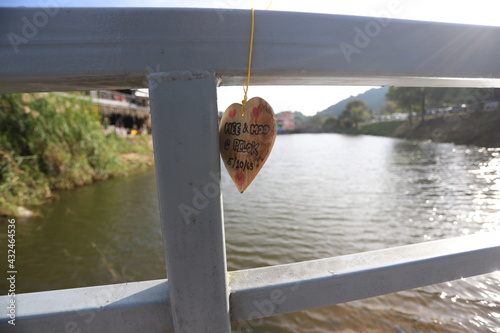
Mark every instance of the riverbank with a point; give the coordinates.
(478, 128)
(28, 194)
(50, 142)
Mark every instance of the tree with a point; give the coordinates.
(331, 123)
(388, 107)
(416, 98)
(405, 97)
(423, 98)
(355, 112)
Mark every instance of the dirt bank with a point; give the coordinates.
(479, 128)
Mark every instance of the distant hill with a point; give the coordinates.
(374, 98)
(300, 118)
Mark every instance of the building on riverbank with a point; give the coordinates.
(123, 111)
(286, 121)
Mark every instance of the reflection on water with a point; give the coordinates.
(318, 196)
(99, 234)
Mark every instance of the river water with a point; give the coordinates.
(319, 195)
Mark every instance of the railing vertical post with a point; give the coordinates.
(185, 137)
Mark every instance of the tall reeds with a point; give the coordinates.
(50, 141)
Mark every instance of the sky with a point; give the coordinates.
(310, 99)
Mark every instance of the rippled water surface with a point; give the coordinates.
(319, 195)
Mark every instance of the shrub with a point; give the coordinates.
(52, 141)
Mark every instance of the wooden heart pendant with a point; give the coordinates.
(246, 140)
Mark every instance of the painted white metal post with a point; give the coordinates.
(185, 136)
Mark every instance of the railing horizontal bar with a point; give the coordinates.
(269, 291)
(262, 292)
(126, 308)
(61, 49)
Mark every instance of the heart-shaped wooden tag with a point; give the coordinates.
(246, 140)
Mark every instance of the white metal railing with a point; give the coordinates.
(182, 64)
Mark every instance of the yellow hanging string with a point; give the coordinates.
(245, 89)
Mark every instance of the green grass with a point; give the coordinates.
(50, 142)
(386, 128)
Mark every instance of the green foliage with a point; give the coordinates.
(407, 98)
(301, 119)
(385, 128)
(19, 184)
(410, 99)
(51, 141)
(355, 112)
(331, 124)
(388, 108)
